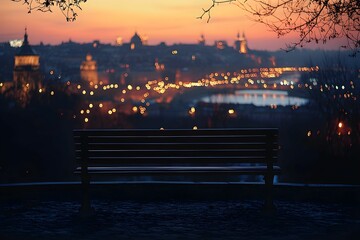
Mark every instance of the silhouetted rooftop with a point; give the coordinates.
(26, 49)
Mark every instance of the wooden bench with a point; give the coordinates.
(176, 152)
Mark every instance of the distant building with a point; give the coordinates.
(26, 75)
(96, 43)
(202, 40)
(221, 44)
(88, 70)
(241, 44)
(16, 43)
(145, 40)
(26, 58)
(136, 42)
(119, 41)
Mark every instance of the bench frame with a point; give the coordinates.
(175, 152)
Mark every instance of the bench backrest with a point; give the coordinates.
(175, 147)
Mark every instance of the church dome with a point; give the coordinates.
(136, 39)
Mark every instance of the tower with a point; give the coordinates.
(26, 74)
(237, 42)
(88, 70)
(240, 44)
(243, 44)
(202, 40)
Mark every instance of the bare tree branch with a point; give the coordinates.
(67, 7)
(207, 11)
(314, 20)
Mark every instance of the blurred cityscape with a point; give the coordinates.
(312, 96)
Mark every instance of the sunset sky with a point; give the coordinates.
(171, 21)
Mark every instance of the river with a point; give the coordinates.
(258, 98)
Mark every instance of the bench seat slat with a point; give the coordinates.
(175, 139)
(177, 169)
(176, 160)
(174, 146)
(173, 132)
(178, 153)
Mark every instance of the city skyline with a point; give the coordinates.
(170, 22)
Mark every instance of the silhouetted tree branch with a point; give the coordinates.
(314, 20)
(207, 11)
(67, 7)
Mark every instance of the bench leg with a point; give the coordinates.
(86, 209)
(269, 205)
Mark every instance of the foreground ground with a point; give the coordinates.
(178, 220)
(147, 217)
